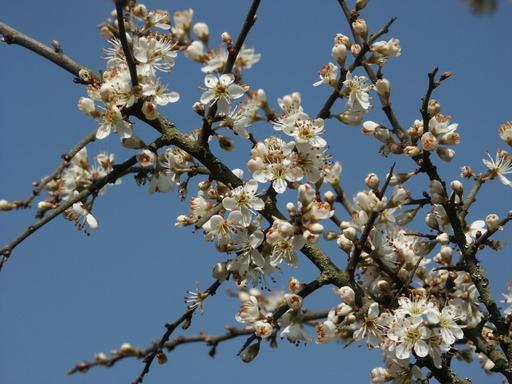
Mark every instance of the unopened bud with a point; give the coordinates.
(493, 222)
(466, 172)
(6, 205)
(84, 75)
(316, 228)
(56, 46)
(355, 49)
(127, 349)
(161, 357)
(350, 233)
(347, 294)
(140, 11)
(369, 127)
(434, 107)
(226, 38)
(372, 181)
(445, 154)
(457, 187)
(250, 353)
(443, 238)
(201, 31)
(339, 53)
(383, 88)
(360, 4)
(360, 28)
(198, 108)
(226, 143)
(132, 142)
(220, 271)
(343, 243)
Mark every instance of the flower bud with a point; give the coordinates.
(452, 138)
(342, 39)
(369, 127)
(127, 349)
(195, 51)
(360, 28)
(457, 187)
(372, 181)
(329, 197)
(431, 221)
(140, 11)
(56, 46)
(466, 172)
(355, 49)
(493, 222)
(445, 154)
(343, 243)
(226, 37)
(346, 294)
(434, 107)
(443, 238)
(343, 309)
(161, 357)
(250, 353)
(350, 233)
(383, 134)
(220, 271)
(132, 142)
(505, 132)
(383, 88)
(201, 31)
(360, 4)
(339, 53)
(226, 143)
(6, 205)
(315, 228)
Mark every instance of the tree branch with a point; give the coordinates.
(12, 36)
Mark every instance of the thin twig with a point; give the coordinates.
(233, 51)
(185, 319)
(12, 36)
(27, 203)
(128, 54)
(210, 340)
(111, 177)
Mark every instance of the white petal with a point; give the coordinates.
(91, 221)
(103, 131)
(421, 348)
(236, 91)
(256, 203)
(207, 97)
(211, 80)
(227, 79)
(279, 185)
(229, 203)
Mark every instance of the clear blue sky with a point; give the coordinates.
(65, 296)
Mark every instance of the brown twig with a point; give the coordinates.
(12, 36)
(170, 328)
(111, 177)
(128, 54)
(27, 203)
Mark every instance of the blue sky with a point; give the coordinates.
(65, 296)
